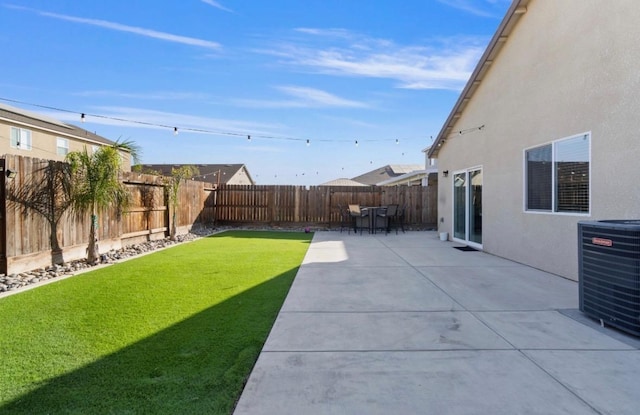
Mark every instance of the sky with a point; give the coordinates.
(301, 92)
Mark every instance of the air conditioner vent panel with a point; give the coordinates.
(609, 272)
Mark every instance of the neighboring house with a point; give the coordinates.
(387, 172)
(545, 133)
(210, 173)
(344, 182)
(33, 135)
(427, 176)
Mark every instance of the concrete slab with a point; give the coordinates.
(354, 257)
(326, 239)
(381, 331)
(379, 324)
(547, 330)
(453, 383)
(448, 256)
(607, 380)
(595, 325)
(504, 288)
(343, 289)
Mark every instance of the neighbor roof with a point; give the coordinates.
(207, 172)
(343, 182)
(516, 11)
(28, 118)
(386, 172)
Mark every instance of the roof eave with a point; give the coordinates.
(405, 176)
(517, 9)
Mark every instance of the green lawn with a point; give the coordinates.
(174, 332)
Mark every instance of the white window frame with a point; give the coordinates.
(20, 138)
(553, 211)
(62, 146)
(94, 149)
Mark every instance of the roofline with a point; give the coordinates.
(403, 177)
(60, 133)
(517, 9)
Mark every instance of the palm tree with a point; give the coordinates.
(96, 184)
(47, 192)
(177, 176)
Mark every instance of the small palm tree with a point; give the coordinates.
(177, 176)
(96, 184)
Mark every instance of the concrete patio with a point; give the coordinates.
(406, 324)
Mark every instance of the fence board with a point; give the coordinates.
(317, 205)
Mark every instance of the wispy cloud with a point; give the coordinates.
(217, 5)
(161, 120)
(441, 64)
(482, 8)
(303, 97)
(169, 37)
(156, 96)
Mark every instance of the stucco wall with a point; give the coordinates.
(568, 68)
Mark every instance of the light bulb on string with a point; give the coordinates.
(175, 130)
(248, 137)
(308, 143)
(82, 117)
(397, 141)
(356, 143)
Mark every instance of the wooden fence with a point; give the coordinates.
(37, 228)
(318, 205)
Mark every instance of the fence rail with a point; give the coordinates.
(37, 227)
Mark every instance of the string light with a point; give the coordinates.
(84, 115)
(468, 130)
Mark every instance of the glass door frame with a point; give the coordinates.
(467, 208)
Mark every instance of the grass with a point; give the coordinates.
(174, 332)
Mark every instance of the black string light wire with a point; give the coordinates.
(175, 129)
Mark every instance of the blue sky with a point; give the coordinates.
(383, 73)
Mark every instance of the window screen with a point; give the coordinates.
(557, 176)
(539, 172)
(572, 175)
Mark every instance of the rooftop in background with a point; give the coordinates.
(20, 116)
(386, 172)
(210, 173)
(343, 182)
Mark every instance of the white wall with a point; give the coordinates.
(568, 67)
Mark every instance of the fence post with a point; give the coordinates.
(3, 219)
(296, 212)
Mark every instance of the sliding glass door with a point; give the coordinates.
(467, 206)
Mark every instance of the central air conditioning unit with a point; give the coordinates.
(609, 272)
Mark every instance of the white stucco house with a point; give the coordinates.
(545, 133)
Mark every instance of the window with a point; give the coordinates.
(557, 176)
(94, 149)
(62, 146)
(20, 138)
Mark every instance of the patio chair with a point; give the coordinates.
(400, 217)
(345, 218)
(383, 218)
(389, 217)
(360, 218)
